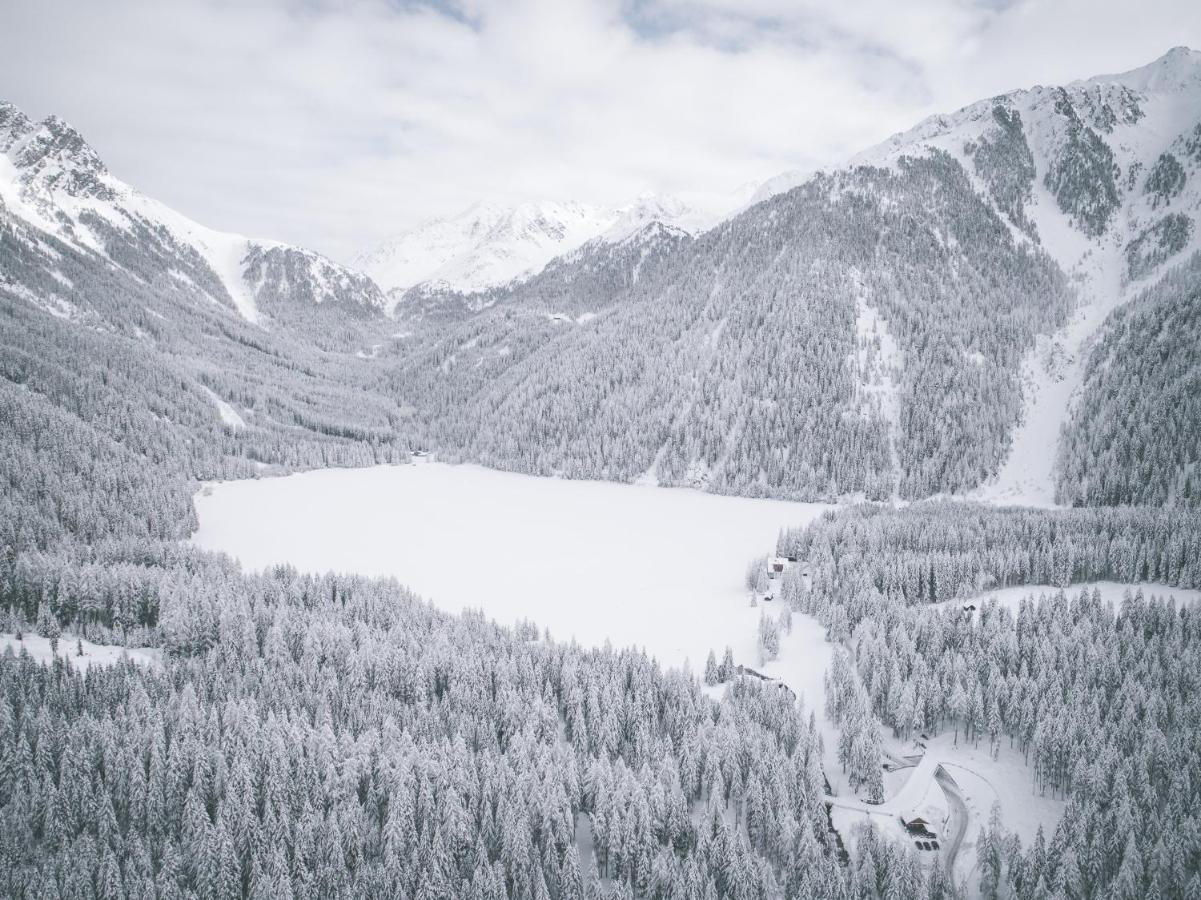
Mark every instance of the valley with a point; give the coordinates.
(624, 551)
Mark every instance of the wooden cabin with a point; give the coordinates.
(917, 825)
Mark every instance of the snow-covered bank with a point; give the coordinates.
(660, 568)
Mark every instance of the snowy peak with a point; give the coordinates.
(491, 245)
(1097, 161)
(14, 125)
(50, 156)
(486, 245)
(283, 278)
(54, 181)
(651, 209)
(1104, 175)
(1177, 71)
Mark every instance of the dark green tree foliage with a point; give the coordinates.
(1165, 180)
(1083, 176)
(1157, 244)
(1003, 159)
(1135, 434)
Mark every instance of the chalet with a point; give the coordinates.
(917, 825)
(776, 566)
(747, 670)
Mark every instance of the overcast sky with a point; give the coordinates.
(335, 124)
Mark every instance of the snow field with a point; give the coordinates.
(228, 414)
(1111, 592)
(38, 647)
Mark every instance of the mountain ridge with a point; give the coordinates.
(53, 179)
(490, 244)
(915, 322)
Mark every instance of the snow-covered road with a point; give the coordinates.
(957, 819)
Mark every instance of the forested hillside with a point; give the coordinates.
(875, 331)
(337, 738)
(730, 361)
(311, 737)
(129, 371)
(1135, 434)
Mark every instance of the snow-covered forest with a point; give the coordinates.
(1102, 702)
(1132, 437)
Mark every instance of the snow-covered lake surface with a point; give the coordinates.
(660, 568)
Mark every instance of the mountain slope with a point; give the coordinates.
(730, 360)
(1098, 174)
(1132, 437)
(140, 352)
(982, 249)
(54, 181)
(915, 322)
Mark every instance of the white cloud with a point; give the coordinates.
(333, 124)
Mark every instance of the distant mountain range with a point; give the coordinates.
(490, 245)
(920, 320)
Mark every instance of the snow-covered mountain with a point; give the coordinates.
(915, 321)
(490, 245)
(53, 182)
(1103, 174)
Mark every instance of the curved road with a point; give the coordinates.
(957, 818)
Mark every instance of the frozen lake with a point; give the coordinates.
(660, 568)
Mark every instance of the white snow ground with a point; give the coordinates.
(68, 648)
(228, 414)
(660, 568)
(1111, 592)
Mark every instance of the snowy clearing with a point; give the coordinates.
(68, 648)
(981, 781)
(1111, 592)
(660, 568)
(228, 414)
